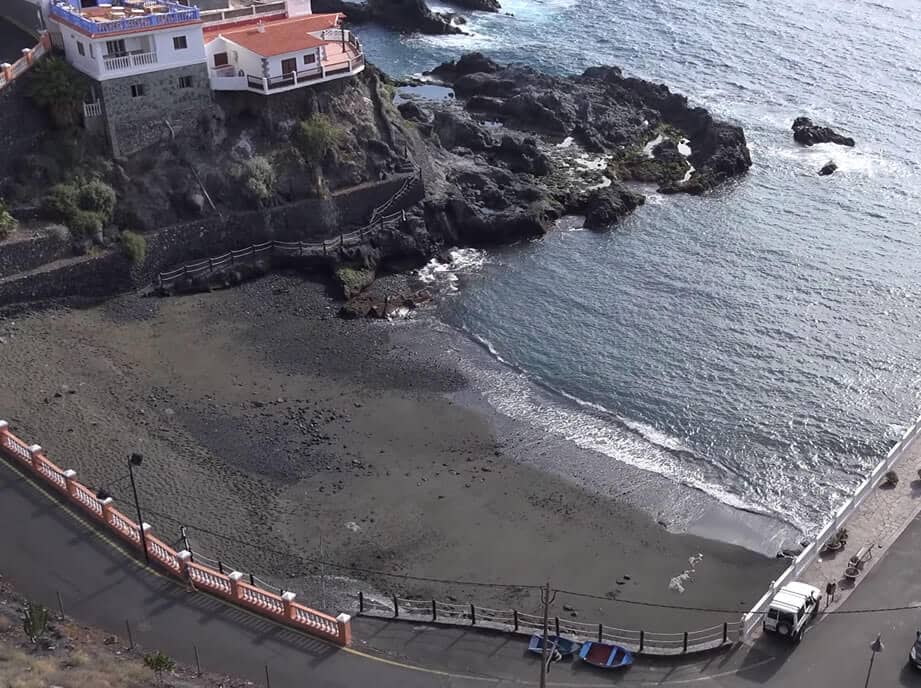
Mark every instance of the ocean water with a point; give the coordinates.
(760, 344)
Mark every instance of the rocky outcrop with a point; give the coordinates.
(602, 110)
(409, 16)
(607, 206)
(808, 133)
(828, 168)
(479, 5)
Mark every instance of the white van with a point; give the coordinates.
(791, 609)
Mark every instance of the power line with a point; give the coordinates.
(504, 586)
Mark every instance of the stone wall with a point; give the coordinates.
(89, 277)
(311, 220)
(28, 252)
(134, 123)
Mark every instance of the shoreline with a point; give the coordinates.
(280, 435)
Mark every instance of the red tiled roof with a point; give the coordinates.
(278, 37)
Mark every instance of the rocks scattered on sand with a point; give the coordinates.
(808, 133)
(828, 168)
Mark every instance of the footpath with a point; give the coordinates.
(880, 519)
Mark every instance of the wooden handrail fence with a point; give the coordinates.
(380, 220)
(518, 622)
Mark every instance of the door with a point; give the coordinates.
(288, 66)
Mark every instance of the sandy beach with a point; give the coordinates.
(279, 434)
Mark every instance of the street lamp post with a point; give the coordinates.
(875, 647)
(135, 460)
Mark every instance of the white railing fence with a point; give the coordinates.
(844, 512)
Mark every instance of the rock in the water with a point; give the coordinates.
(606, 206)
(828, 168)
(808, 134)
(411, 15)
(479, 5)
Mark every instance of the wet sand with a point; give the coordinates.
(279, 435)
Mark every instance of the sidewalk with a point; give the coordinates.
(878, 522)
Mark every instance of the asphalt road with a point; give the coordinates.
(12, 41)
(45, 549)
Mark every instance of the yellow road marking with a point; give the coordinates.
(76, 516)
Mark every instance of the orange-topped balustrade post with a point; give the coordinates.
(4, 433)
(344, 622)
(235, 578)
(37, 454)
(70, 477)
(7, 69)
(27, 54)
(288, 600)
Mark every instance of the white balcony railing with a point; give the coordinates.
(92, 109)
(114, 64)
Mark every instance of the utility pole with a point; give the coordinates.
(135, 460)
(545, 657)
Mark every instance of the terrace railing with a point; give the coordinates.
(177, 14)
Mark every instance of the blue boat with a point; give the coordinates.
(605, 656)
(564, 646)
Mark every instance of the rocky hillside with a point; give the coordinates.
(513, 152)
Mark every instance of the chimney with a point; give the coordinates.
(260, 27)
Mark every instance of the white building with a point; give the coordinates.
(154, 63)
(272, 55)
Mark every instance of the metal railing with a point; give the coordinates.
(240, 14)
(515, 621)
(176, 14)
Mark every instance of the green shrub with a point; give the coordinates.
(315, 136)
(85, 223)
(59, 88)
(86, 207)
(97, 196)
(61, 201)
(259, 178)
(158, 663)
(7, 222)
(134, 246)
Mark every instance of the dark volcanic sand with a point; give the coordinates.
(267, 421)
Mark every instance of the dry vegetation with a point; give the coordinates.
(74, 656)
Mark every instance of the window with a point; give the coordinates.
(185, 82)
(116, 48)
(310, 59)
(92, 54)
(180, 43)
(220, 60)
(289, 65)
(137, 90)
(81, 49)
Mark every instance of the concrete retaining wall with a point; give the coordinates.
(29, 252)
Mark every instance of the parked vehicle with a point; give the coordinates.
(914, 655)
(605, 655)
(792, 608)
